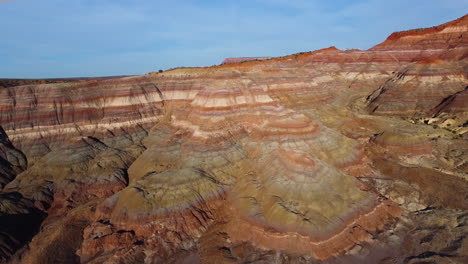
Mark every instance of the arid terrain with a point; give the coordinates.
(330, 156)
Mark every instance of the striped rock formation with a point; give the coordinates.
(319, 157)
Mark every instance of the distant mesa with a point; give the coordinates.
(348, 50)
(243, 59)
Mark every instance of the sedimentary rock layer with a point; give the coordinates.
(446, 36)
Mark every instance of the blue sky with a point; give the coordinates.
(68, 38)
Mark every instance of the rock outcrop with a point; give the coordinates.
(321, 157)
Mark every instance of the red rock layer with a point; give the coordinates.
(355, 232)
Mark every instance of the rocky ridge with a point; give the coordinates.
(243, 59)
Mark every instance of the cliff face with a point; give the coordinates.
(319, 157)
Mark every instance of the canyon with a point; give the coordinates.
(328, 156)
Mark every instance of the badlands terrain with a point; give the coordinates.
(327, 156)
